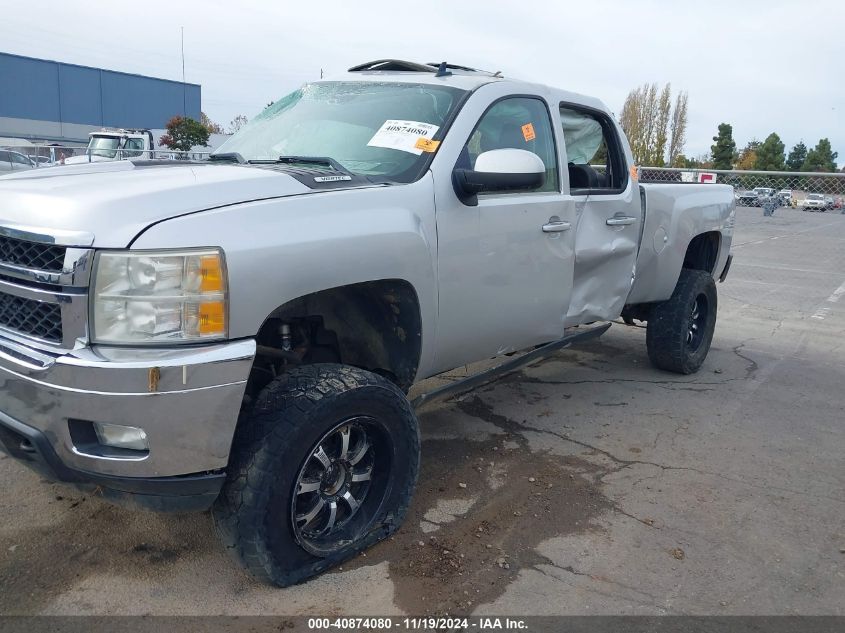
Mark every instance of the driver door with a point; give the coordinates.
(505, 266)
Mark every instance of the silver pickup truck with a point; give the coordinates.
(240, 334)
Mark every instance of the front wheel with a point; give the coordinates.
(323, 468)
(680, 329)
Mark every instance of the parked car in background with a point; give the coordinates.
(786, 196)
(829, 202)
(747, 199)
(42, 161)
(763, 192)
(14, 161)
(813, 202)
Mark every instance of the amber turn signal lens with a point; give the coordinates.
(211, 272)
(212, 318)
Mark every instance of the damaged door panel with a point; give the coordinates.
(609, 215)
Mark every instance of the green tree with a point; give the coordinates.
(183, 134)
(797, 156)
(723, 150)
(821, 157)
(770, 155)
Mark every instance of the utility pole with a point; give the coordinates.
(184, 87)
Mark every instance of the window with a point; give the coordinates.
(133, 147)
(370, 128)
(105, 146)
(516, 122)
(20, 159)
(593, 151)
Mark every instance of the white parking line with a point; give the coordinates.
(814, 271)
(791, 234)
(824, 310)
(837, 293)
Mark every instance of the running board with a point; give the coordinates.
(472, 382)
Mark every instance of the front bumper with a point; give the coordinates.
(187, 400)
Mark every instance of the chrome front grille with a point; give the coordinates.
(31, 318)
(46, 257)
(44, 287)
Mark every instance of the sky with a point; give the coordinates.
(763, 66)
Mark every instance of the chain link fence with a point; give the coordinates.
(811, 191)
(14, 158)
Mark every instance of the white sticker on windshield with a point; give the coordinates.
(403, 135)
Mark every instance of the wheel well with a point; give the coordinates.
(374, 325)
(703, 252)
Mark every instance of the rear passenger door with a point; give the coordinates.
(608, 214)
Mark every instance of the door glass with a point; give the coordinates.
(133, 147)
(520, 123)
(595, 161)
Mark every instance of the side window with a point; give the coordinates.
(133, 147)
(20, 159)
(593, 151)
(520, 123)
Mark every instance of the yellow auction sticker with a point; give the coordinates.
(528, 132)
(426, 144)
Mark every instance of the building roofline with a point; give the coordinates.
(108, 70)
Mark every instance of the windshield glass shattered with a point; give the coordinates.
(384, 130)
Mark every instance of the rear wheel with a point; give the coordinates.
(325, 467)
(680, 329)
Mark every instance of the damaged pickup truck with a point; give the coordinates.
(240, 334)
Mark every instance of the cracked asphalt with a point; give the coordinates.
(589, 483)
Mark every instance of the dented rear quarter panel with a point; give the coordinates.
(674, 215)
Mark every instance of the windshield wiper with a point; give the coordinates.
(306, 160)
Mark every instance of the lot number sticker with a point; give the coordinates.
(528, 132)
(406, 136)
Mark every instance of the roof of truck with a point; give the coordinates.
(462, 77)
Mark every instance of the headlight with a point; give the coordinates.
(159, 297)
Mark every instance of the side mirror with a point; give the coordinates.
(499, 170)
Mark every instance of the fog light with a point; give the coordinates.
(117, 436)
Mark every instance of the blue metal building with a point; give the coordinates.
(58, 102)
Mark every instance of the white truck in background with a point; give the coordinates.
(136, 144)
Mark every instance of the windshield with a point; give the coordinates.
(816, 196)
(105, 146)
(386, 130)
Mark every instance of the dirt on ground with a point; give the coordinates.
(515, 499)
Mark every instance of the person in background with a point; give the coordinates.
(769, 204)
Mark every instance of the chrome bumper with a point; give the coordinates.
(187, 400)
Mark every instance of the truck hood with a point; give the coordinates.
(116, 200)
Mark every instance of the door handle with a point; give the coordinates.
(556, 226)
(621, 220)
